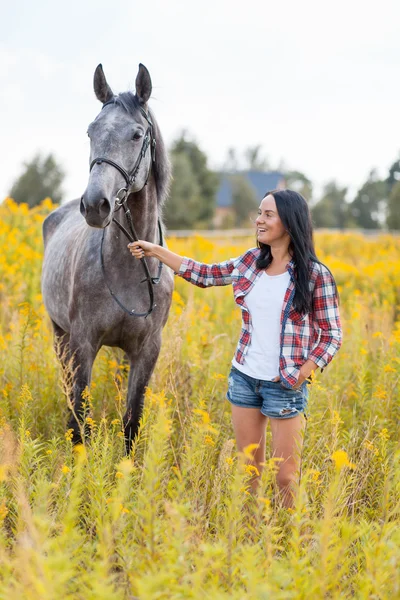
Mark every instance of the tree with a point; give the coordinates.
(393, 208)
(394, 174)
(244, 199)
(368, 206)
(231, 164)
(254, 160)
(42, 178)
(250, 160)
(183, 208)
(297, 181)
(332, 208)
(206, 179)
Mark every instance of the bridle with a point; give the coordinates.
(121, 201)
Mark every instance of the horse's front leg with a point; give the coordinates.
(83, 355)
(142, 365)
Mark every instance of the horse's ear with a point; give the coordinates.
(101, 88)
(143, 85)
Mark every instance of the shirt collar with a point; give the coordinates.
(290, 265)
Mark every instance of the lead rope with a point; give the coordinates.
(132, 237)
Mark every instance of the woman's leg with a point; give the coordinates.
(287, 443)
(249, 425)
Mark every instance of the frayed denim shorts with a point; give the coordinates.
(270, 397)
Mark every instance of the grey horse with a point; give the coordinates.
(92, 287)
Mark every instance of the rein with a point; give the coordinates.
(121, 200)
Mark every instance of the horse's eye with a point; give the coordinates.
(137, 136)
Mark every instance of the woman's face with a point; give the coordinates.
(270, 229)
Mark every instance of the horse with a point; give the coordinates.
(95, 293)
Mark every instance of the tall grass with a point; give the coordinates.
(176, 520)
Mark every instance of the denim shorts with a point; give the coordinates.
(270, 397)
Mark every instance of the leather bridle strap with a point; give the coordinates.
(129, 177)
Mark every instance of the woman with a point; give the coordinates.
(290, 328)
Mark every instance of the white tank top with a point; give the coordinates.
(265, 301)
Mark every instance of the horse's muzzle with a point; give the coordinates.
(97, 213)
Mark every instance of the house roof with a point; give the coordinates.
(261, 182)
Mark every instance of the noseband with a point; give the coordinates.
(121, 200)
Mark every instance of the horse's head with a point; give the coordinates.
(121, 144)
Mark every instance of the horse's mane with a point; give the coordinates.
(161, 167)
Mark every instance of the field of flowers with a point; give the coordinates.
(176, 520)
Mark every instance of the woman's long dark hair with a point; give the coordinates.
(296, 218)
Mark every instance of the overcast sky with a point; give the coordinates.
(317, 84)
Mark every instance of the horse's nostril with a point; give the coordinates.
(82, 207)
(104, 208)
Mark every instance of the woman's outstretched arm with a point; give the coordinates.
(200, 274)
(142, 248)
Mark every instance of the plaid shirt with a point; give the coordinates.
(316, 335)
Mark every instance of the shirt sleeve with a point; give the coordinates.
(326, 314)
(204, 275)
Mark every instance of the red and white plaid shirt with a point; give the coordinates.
(316, 335)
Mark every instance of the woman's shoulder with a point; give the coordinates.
(247, 259)
(319, 270)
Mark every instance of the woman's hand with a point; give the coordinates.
(301, 380)
(299, 383)
(141, 248)
(305, 372)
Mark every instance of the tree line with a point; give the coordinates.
(192, 199)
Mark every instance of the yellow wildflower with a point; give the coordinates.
(380, 393)
(69, 434)
(252, 470)
(65, 469)
(336, 420)
(265, 501)
(250, 449)
(3, 511)
(341, 460)
(204, 414)
(384, 435)
(219, 376)
(177, 299)
(316, 475)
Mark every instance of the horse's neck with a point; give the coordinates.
(144, 211)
